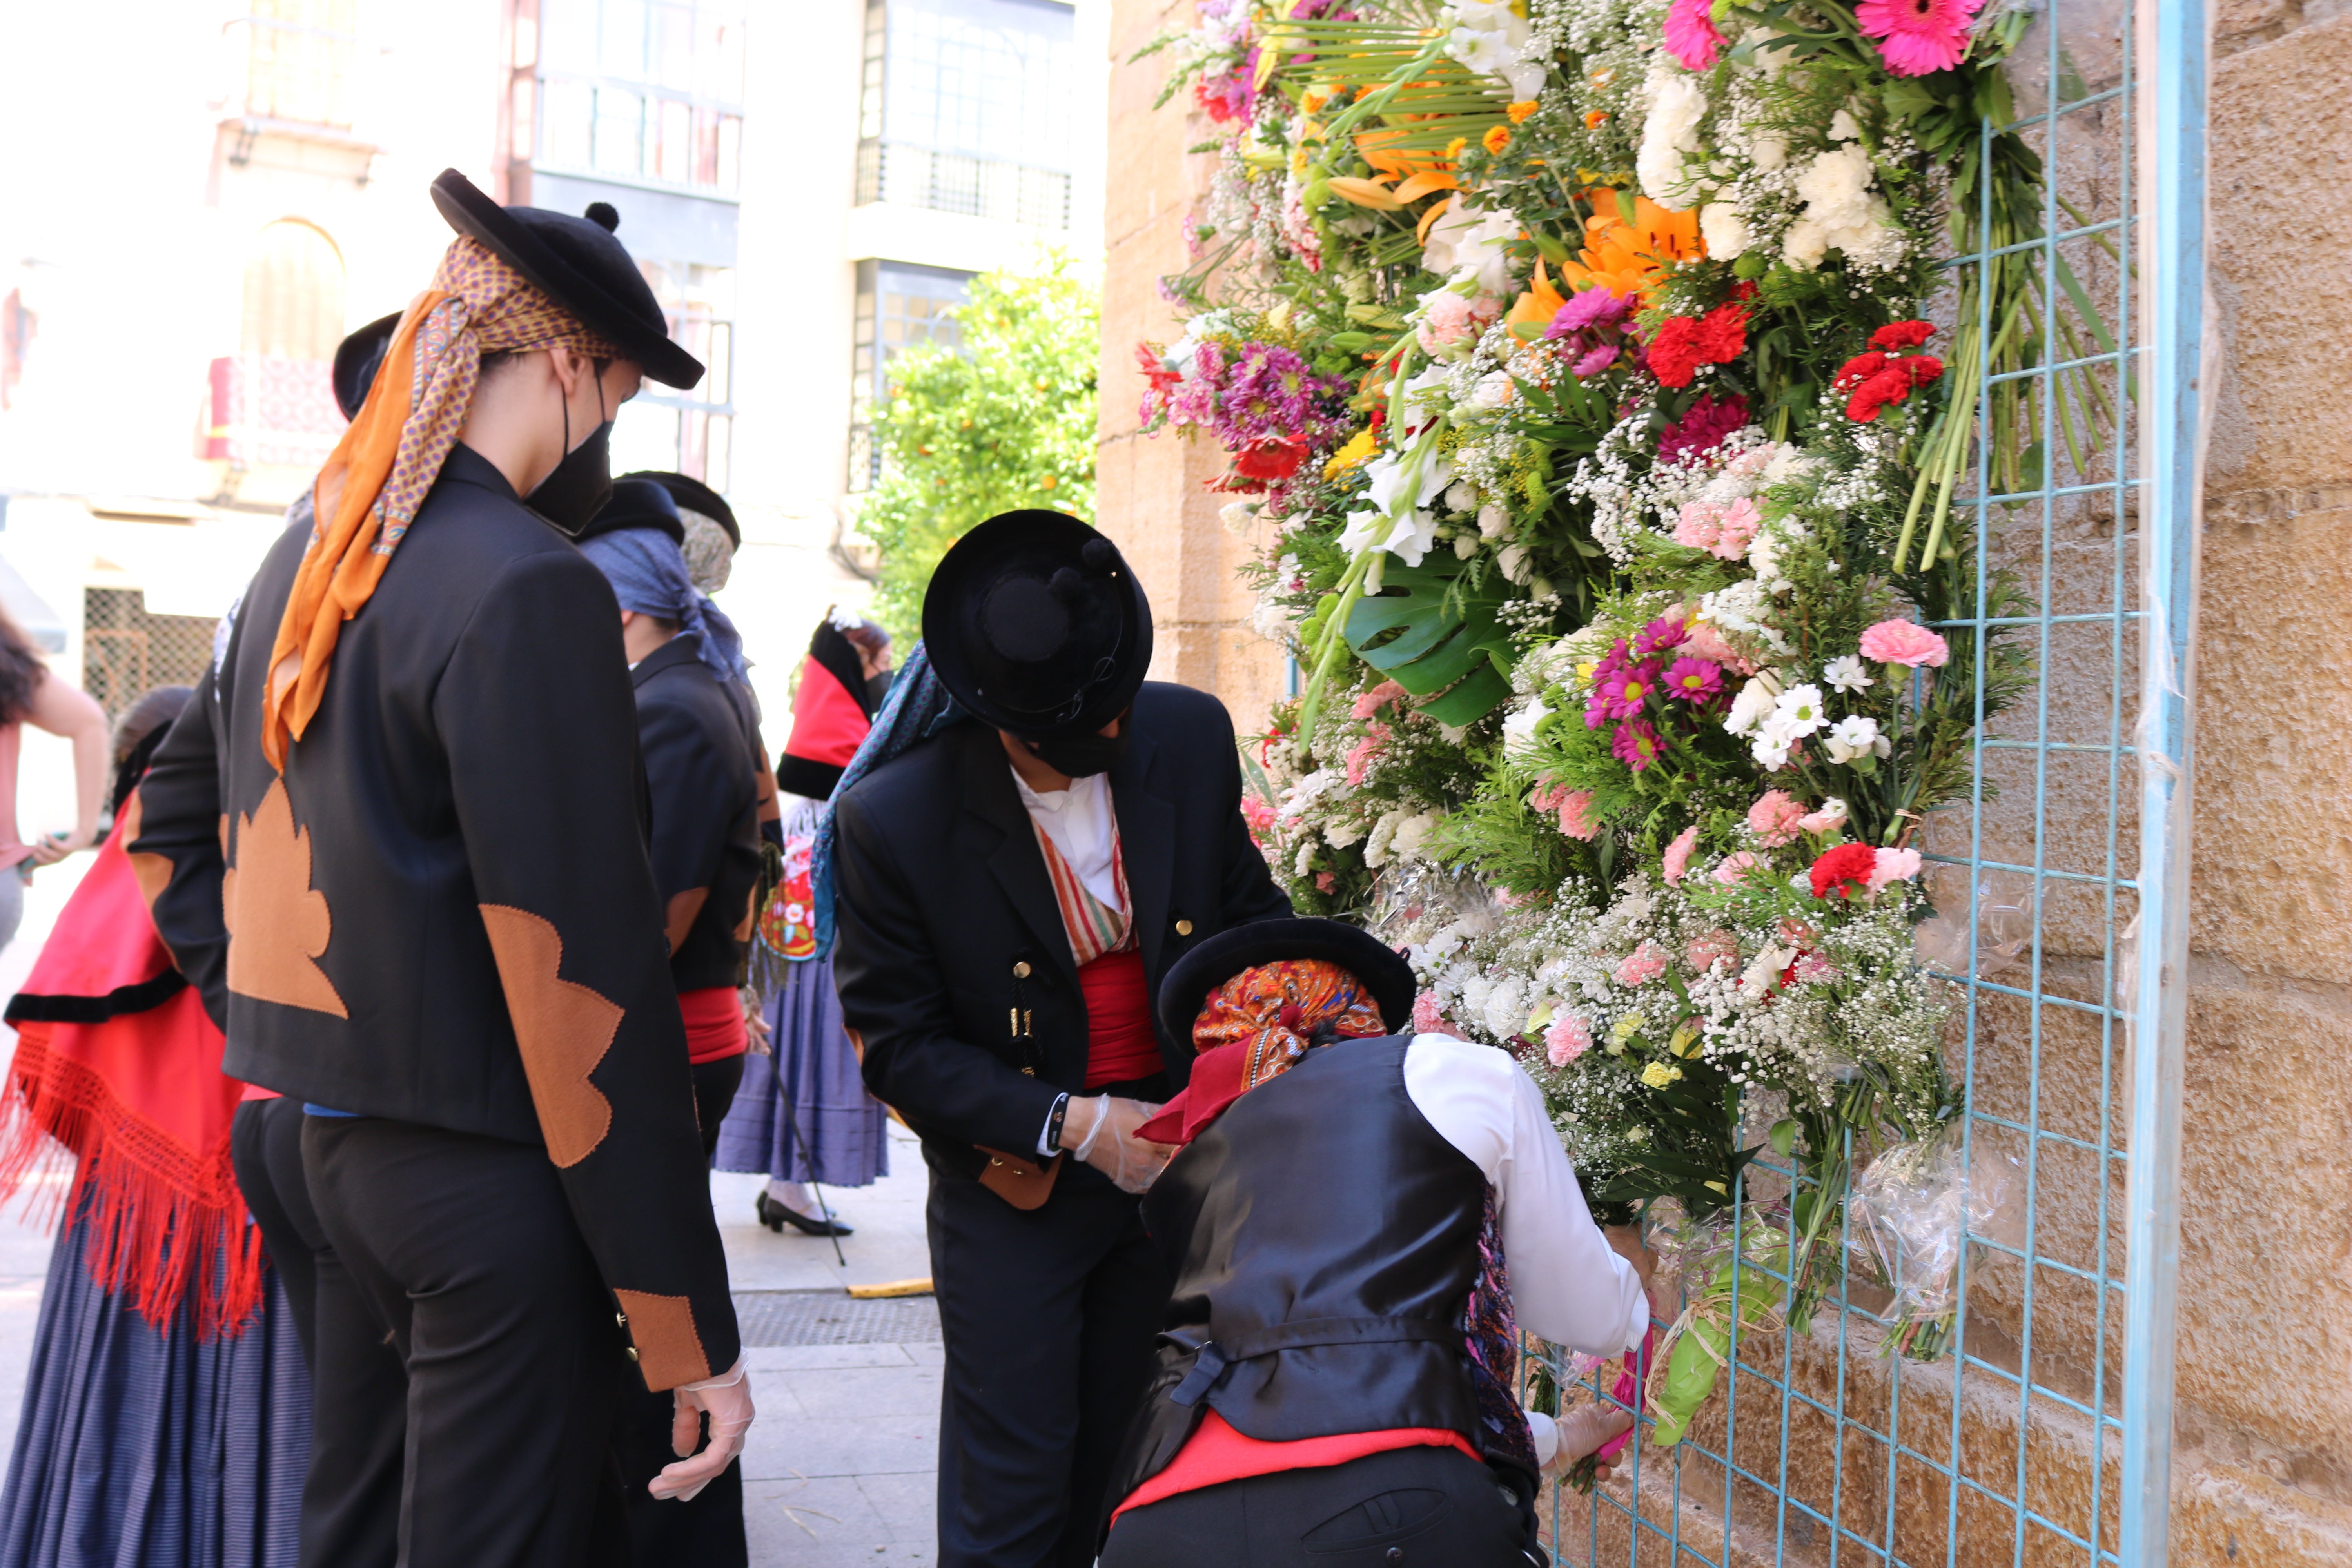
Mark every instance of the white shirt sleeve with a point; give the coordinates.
(1568, 1285)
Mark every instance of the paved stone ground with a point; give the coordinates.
(839, 1470)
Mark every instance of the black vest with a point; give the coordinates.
(1324, 1240)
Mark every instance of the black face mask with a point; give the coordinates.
(1083, 753)
(877, 688)
(576, 489)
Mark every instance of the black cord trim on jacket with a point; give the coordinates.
(27, 1008)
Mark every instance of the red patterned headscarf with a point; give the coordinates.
(379, 471)
(1258, 1026)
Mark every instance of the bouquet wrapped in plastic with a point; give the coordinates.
(1912, 1211)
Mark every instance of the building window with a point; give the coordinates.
(272, 402)
(299, 56)
(687, 432)
(127, 653)
(644, 90)
(293, 293)
(899, 306)
(966, 107)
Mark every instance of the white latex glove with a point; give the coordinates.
(1106, 1140)
(727, 1402)
(1561, 1442)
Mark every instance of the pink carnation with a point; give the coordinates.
(1775, 818)
(1698, 525)
(1450, 319)
(1378, 697)
(1691, 33)
(1735, 867)
(1640, 966)
(1905, 643)
(1258, 815)
(1705, 642)
(1710, 948)
(1811, 968)
(1894, 866)
(1829, 818)
(1567, 1038)
(1429, 1018)
(1678, 854)
(1324, 882)
(1737, 529)
(1364, 752)
(1575, 807)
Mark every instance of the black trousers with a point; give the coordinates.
(1049, 1318)
(708, 1531)
(464, 1250)
(1437, 1508)
(356, 1436)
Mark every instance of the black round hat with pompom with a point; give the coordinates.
(578, 263)
(1383, 970)
(1036, 624)
(357, 359)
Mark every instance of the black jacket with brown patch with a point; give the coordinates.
(443, 911)
(704, 781)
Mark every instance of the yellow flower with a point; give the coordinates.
(1498, 137)
(1454, 148)
(1657, 1074)
(1584, 671)
(1595, 119)
(1520, 110)
(1361, 446)
(1685, 1040)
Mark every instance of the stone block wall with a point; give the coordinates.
(2262, 1462)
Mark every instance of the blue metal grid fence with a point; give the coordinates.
(2043, 1436)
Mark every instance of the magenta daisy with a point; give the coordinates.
(1915, 37)
(1691, 35)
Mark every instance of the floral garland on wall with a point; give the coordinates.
(1585, 364)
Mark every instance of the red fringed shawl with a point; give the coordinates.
(118, 1067)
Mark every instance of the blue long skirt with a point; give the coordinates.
(140, 1449)
(841, 1140)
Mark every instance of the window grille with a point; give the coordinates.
(126, 652)
(644, 90)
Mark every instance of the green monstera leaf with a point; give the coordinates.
(1432, 631)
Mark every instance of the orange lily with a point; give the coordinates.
(1364, 193)
(1632, 258)
(1540, 303)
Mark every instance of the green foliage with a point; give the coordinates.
(1006, 423)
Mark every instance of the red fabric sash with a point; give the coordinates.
(140, 1102)
(714, 1024)
(1217, 1452)
(1120, 1044)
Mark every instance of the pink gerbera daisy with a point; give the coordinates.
(1691, 35)
(1917, 36)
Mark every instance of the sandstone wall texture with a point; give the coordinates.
(2262, 1457)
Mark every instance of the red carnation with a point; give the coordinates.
(1889, 386)
(1683, 343)
(1857, 370)
(1847, 866)
(1901, 335)
(1922, 368)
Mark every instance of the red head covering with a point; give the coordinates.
(1258, 1025)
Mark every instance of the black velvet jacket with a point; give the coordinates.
(706, 833)
(949, 940)
(442, 913)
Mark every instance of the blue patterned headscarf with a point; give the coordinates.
(919, 708)
(647, 572)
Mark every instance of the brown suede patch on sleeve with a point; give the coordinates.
(154, 870)
(763, 791)
(669, 1351)
(278, 923)
(562, 1029)
(680, 918)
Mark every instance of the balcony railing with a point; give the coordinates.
(952, 183)
(292, 74)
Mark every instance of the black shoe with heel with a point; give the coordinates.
(776, 1216)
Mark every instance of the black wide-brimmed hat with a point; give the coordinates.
(1383, 970)
(576, 262)
(1036, 624)
(692, 495)
(357, 359)
(635, 503)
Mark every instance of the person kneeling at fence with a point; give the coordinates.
(1333, 1382)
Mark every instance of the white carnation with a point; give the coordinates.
(1669, 136)
(1725, 231)
(1751, 707)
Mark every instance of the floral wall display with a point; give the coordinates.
(1596, 372)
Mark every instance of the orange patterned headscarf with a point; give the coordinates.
(1258, 1026)
(379, 472)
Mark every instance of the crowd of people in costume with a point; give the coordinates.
(454, 926)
